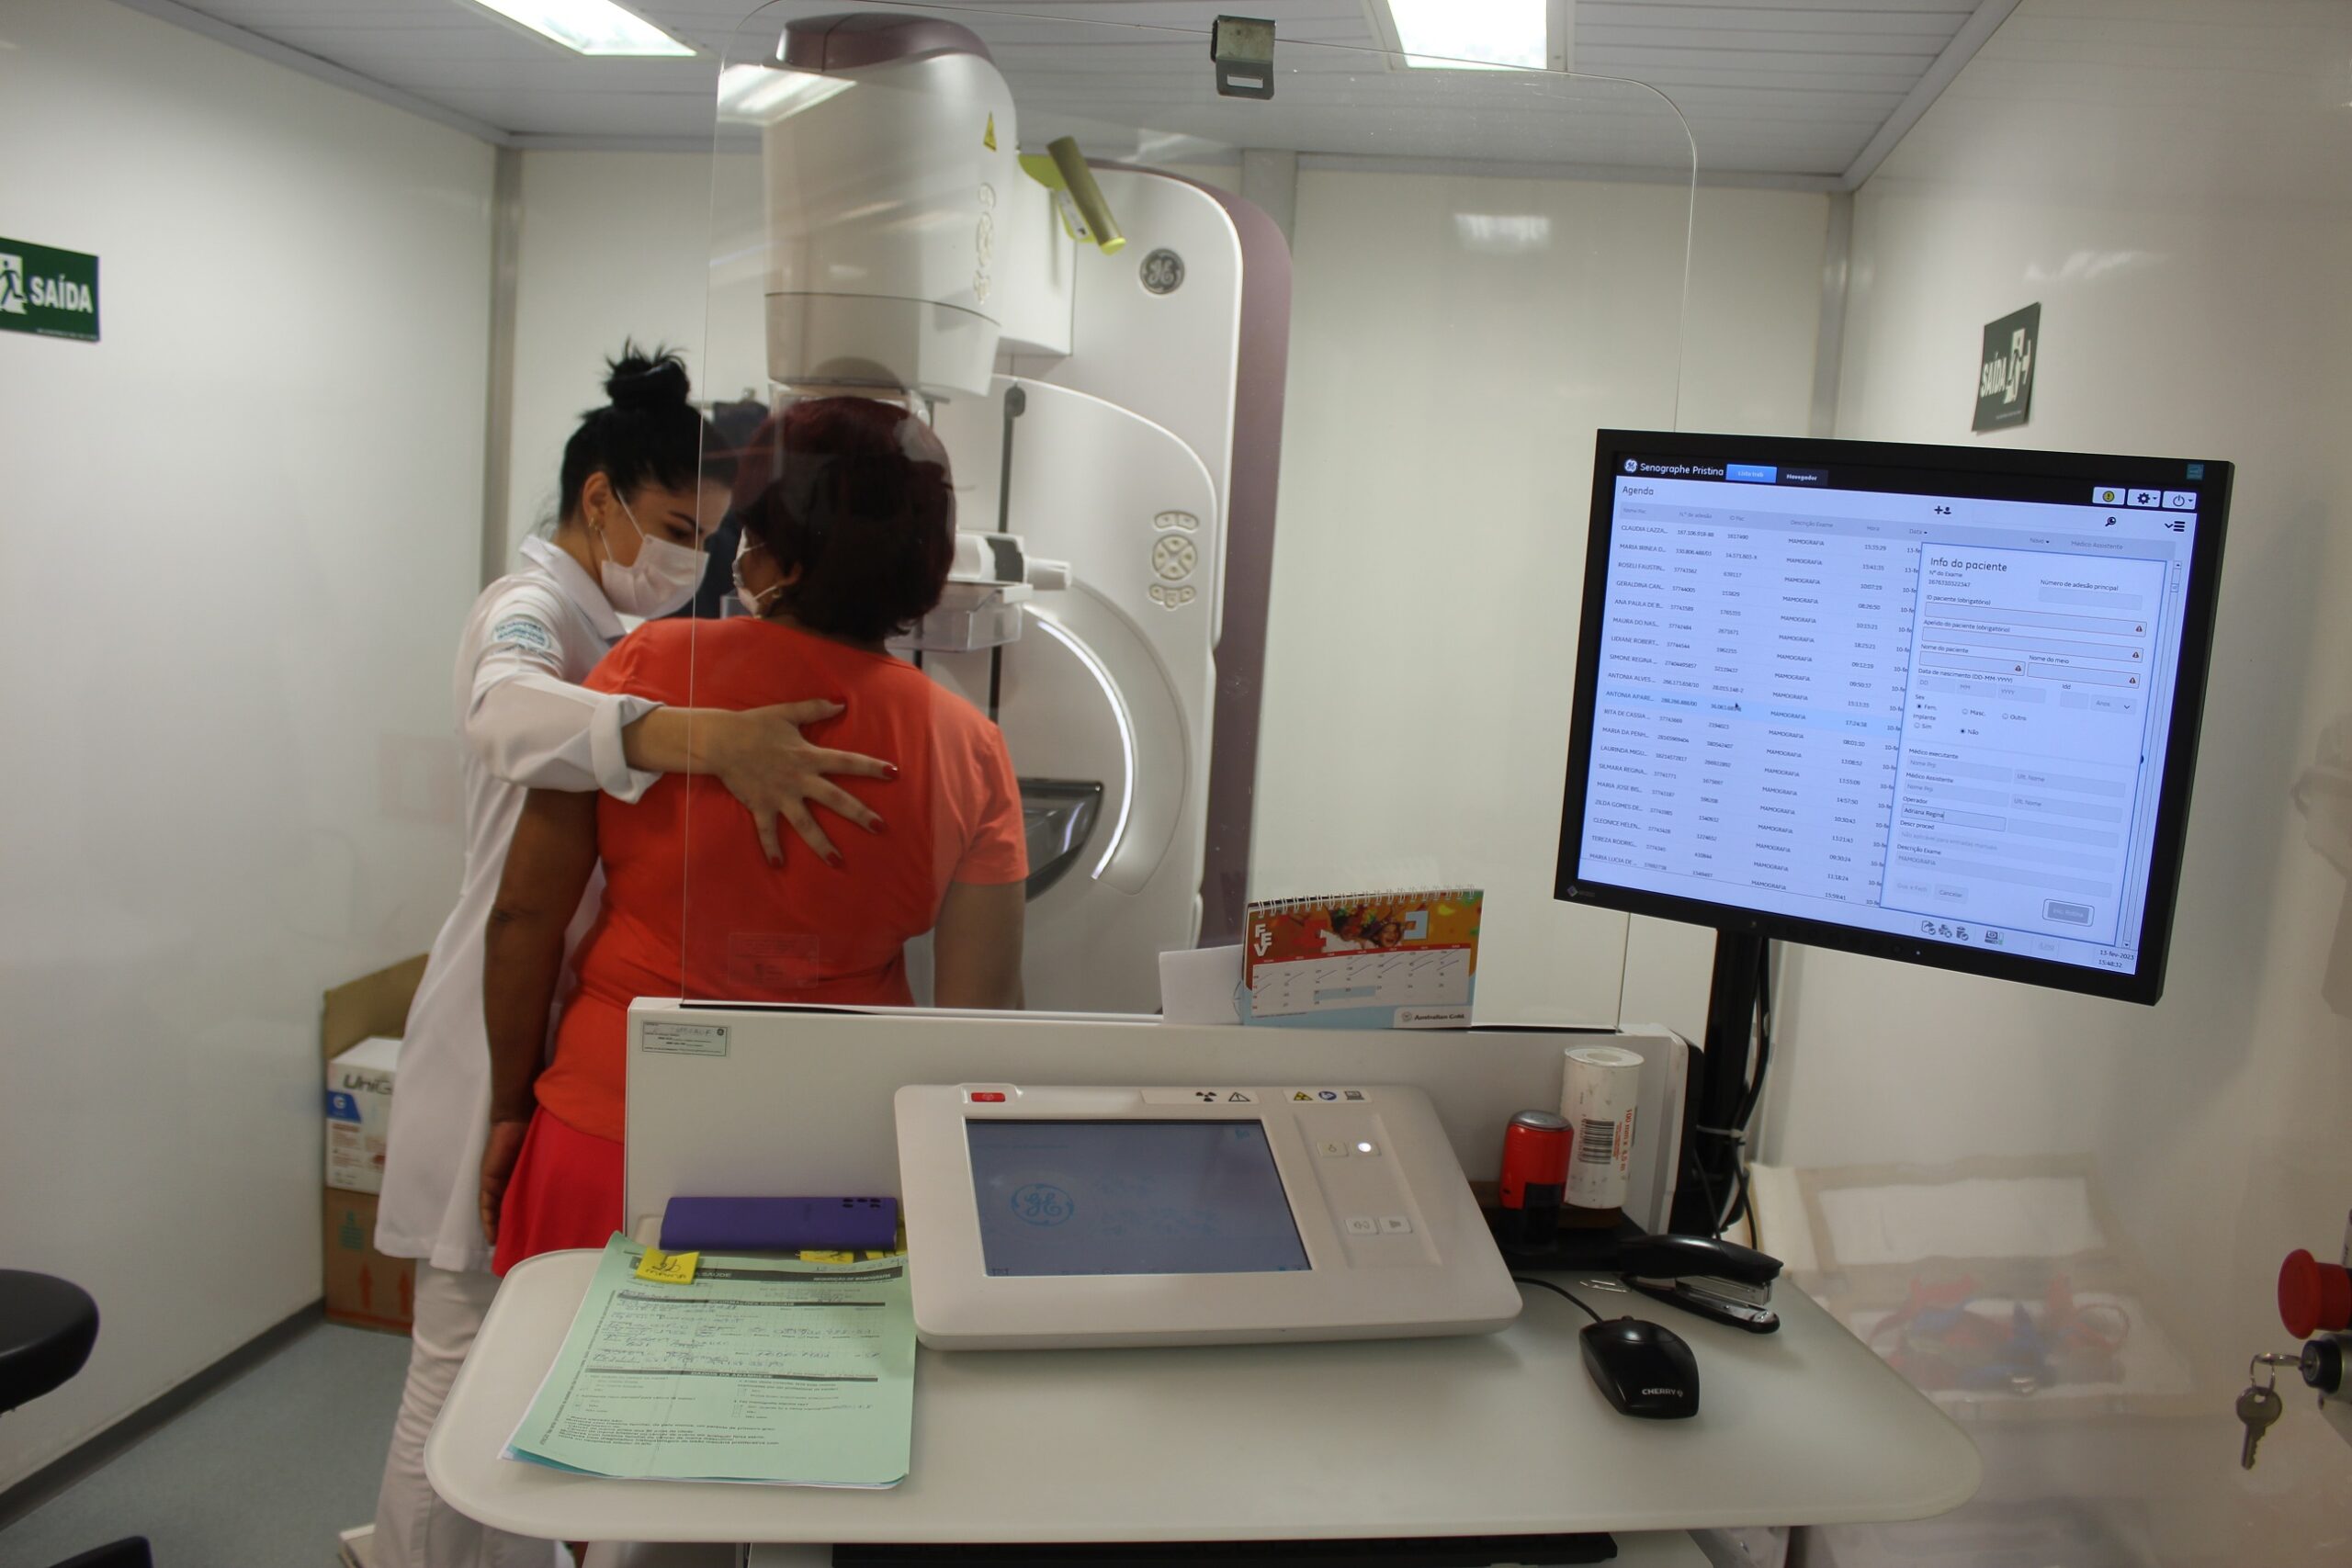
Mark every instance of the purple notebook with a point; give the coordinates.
(780, 1224)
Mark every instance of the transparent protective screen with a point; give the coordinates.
(1264, 421)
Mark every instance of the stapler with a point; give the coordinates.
(1718, 1280)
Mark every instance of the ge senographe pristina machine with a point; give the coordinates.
(1101, 349)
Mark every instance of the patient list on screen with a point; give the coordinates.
(1937, 716)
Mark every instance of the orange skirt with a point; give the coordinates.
(565, 1192)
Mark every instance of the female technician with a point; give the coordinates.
(849, 521)
(635, 483)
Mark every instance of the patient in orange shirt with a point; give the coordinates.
(848, 527)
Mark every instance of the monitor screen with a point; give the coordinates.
(1120, 1197)
(1937, 703)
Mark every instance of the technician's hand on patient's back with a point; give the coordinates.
(767, 763)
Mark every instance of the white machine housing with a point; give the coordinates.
(1394, 1242)
(1122, 460)
(888, 145)
(1113, 678)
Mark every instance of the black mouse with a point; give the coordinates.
(1645, 1369)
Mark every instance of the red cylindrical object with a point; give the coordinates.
(2313, 1297)
(1535, 1161)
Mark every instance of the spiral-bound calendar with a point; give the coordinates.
(1396, 960)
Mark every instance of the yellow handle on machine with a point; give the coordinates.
(1085, 213)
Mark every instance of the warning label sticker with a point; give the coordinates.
(685, 1039)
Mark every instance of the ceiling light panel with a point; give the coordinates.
(765, 95)
(1471, 35)
(595, 27)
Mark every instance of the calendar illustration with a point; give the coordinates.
(1399, 960)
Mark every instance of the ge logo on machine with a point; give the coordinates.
(1163, 271)
(1042, 1203)
(1173, 557)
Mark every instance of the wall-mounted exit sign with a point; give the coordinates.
(2005, 370)
(47, 291)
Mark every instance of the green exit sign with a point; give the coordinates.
(48, 291)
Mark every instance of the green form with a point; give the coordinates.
(760, 1369)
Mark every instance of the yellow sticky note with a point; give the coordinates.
(668, 1268)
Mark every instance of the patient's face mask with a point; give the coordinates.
(757, 602)
(662, 578)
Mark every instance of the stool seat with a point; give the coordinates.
(47, 1327)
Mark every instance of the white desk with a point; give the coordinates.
(1492, 1434)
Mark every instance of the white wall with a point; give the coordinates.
(241, 533)
(613, 245)
(1457, 340)
(2172, 182)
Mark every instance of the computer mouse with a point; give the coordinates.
(1644, 1370)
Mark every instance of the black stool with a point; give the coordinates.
(47, 1327)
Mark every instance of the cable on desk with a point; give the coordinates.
(1547, 1285)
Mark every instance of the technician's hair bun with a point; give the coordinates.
(648, 433)
(639, 380)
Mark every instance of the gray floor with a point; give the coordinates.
(263, 1474)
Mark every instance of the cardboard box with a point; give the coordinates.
(364, 1288)
(359, 1113)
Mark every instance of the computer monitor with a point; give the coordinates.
(1929, 703)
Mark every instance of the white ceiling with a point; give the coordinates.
(1806, 91)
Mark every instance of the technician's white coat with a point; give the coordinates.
(524, 723)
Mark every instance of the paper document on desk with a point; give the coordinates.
(759, 1370)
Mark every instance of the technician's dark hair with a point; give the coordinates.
(855, 494)
(648, 433)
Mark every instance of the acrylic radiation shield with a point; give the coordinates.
(1027, 236)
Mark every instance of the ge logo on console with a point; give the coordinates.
(1042, 1203)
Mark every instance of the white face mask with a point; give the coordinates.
(663, 578)
(753, 604)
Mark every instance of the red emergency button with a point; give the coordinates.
(996, 1097)
(2313, 1297)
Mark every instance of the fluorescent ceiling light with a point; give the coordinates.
(1503, 233)
(765, 95)
(1471, 35)
(590, 26)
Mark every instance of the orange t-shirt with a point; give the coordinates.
(684, 879)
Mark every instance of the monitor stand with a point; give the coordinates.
(1710, 1175)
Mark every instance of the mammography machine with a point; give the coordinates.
(1102, 350)
(1058, 1217)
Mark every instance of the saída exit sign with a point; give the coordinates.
(2005, 370)
(47, 291)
